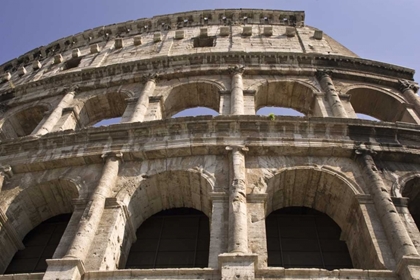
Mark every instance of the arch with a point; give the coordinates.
(103, 106)
(288, 94)
(173, 238)
(190, 95)
(24, 121)
(165, 190)
(196, 111)
(398, 186)
(376, 102)
(40, 244)
(27, 208)
(299, 237)
(332, 193)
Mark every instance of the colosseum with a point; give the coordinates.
(233, 195)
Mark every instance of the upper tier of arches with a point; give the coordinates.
(168, 98)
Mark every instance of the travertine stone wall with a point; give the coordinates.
(236, 167)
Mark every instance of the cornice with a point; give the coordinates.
(205, 135)
(159, 23)
(256, 63)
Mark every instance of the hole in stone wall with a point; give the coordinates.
(202, 42)
(197, 111)
(108, 122)
(279, 111)
(72, 63)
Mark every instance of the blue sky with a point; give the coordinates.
(383, 30)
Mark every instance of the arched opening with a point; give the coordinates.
(412, 191)
(102, 107)
(162, 191)
(197, 94)
(301, 237)
(331, 193)
(107, 122)
(285, 94)
(40, 245)
(28, 207)
(23, 122)
(378, 104)
(366, 117)
(197, 111)
(279, 111)
(172, 238)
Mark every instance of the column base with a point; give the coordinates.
(409, 268)
(234, 266)
(64, 269)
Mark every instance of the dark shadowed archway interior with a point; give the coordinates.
(301, 237)
(412, 191)
(40, 244)
(172, 238)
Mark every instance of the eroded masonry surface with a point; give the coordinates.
(233, 195)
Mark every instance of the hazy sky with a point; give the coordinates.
(384, 30)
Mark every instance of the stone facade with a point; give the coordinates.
(236, 168)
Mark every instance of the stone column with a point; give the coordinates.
(238, 263)
(238, 214)
(143, 100)
(332, 95)
(237, 90)
(219, 228)
(92, 215)
(55, 115)
(5, 172)
(401, 245)
(409, 90)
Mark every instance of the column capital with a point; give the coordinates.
(322, 73)
(237, 148)
(153, 77)
(71, 89)
(362, 150)
(406, 84)
(117, 155)
(6, 170)
(236, 69)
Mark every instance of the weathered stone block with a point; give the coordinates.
(203, 32)
(290, 31)
(157, 37)
(247, 31)
(179, 34)
(137, 40)
(36, 65)
(224, 31)
(75, 53)
(22, 71)
(58, 58)
(6, 77)
(268, 30)
(94, 48)
(119, 43)
(318, 34)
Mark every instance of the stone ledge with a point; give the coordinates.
(310, 273)
(342, 66)
(164, 273)
(22, 276)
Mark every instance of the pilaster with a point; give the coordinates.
(237, 87)
(333, 97)
(53, 118)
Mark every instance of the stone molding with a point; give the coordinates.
(345, 65)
